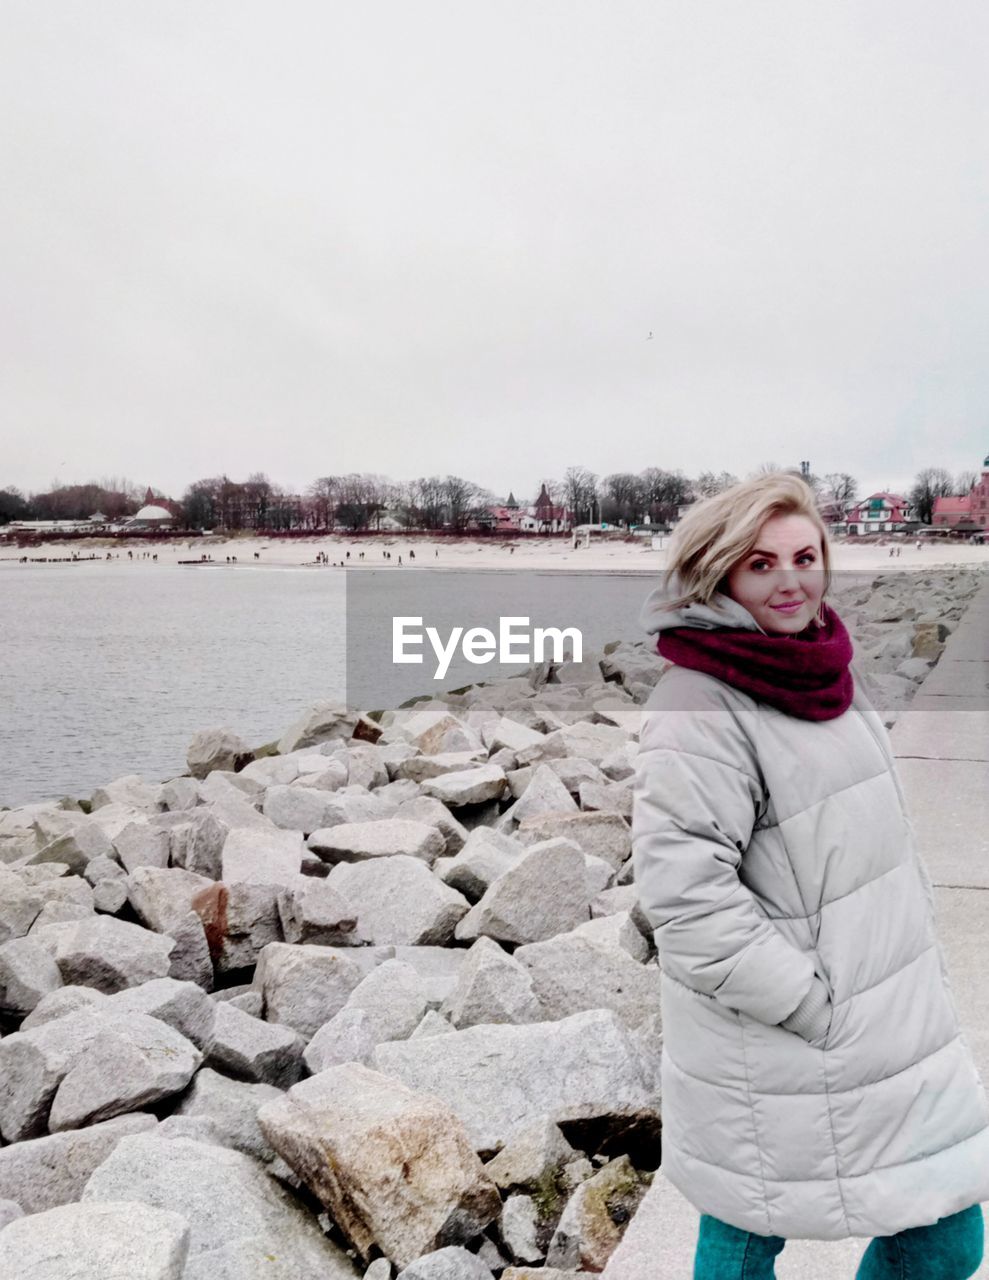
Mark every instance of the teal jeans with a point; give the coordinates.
(949, 1249)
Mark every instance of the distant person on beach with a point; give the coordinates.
(804, 992)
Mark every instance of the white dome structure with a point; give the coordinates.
(151, 514)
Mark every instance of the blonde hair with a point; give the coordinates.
(718, 532)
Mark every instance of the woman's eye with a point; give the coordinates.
(757, 564)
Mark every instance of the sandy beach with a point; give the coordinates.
(488, 553)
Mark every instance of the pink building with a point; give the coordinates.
(969, 512)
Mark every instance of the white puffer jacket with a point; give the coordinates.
(776, 862)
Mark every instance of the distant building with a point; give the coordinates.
(157, 513)
(505, 519)
(151, 516)
(545, 516)
(965, 513)
(880, 513)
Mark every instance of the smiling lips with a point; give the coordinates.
(788, 608)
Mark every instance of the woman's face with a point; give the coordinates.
(784, 569)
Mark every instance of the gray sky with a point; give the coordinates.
(309, 238)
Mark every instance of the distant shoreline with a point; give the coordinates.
(608, 552)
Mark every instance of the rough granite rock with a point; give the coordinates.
(492, 987)
(399, 900)
(232, 1106)
(106, 953)
(183, 1005)
(43, 1173)
(252, 856)
(572, 974)
(312, 911)
(604, 835)
(321, 723)
(482, 859)
(59, 1003)
(467, 786)
(218, 748)
(434, 813)
(225, 1196)
(452, 1263)
(250, 1049)
(363, 841)
(541, 895)
(27, 975)
(304, 986)
(596, 1216)
(113, 1241)
(130, 1061)
(340, 1130)
(387, 1005)
(501, 1079)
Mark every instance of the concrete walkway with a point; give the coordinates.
(942, 746)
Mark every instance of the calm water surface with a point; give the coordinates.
(109, 669)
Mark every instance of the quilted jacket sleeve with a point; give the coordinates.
(695, 797)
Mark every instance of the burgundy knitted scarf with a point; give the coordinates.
(805, 674)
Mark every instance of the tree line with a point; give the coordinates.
(356, 502)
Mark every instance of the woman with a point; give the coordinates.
(815, 1080)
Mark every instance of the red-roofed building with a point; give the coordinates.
(968, 512)
(545, 516)
(880, 513)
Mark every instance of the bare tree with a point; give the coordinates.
(930, 484)
(708, 484)
(461, 499)
(966, 481)
(322, 496)
(621, 500)
(580, 493)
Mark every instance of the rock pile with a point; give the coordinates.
(379, 1004)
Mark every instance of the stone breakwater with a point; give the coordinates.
(379, 1003)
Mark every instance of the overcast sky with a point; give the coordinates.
(418, 238)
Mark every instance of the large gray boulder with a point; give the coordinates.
(451, 1263)
(467, 786)
(232, 1106)
(108, 1063)
(43, 1173)
(339, 1131)
(387, 1005)
(323, 722)
(542, 894)
(362, 841)
(492, 987)
(251, 1049)
(502, 1079)
(106, 953)
(485, 854)
(132, 1061)
(119, 1240)
(304, 986)
(266, 857)
(27, 975)
(183, 1005)
(225, 1196)
(162, 898)
(572, 974)
(313, 911)
(399, 900)
(219, 748)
